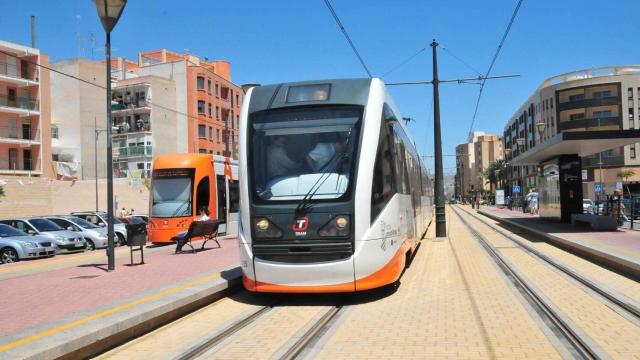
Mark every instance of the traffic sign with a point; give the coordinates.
(597, 187)
(516, 188)
(618, 185)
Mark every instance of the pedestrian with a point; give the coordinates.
(131, 212)
(618, 208)
(204, 214)
(509, 202)
(123, 212)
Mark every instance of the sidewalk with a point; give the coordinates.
(50, 303)
(620, 248)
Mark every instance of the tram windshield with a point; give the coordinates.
(304, 152)
(172, 193)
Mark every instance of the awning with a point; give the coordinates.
(581, 143)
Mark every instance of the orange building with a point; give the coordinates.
(213, 102)
(25, 114)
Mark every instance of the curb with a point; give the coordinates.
(97, 336)
(622, 265)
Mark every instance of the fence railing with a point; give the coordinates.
(16, 164)
(12, 70)
(19, 102)
(135, 151)
(9, 132)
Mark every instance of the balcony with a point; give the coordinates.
(585, 103)
(19, 105)
(10, 165)
(141, 105)
(24, 76)
(607, 161)
(590, 123)
(13, 134)
(132, 151)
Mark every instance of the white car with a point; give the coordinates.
(95, 236)
(99, 219)
(588, 206)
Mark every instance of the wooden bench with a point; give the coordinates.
(208, 230)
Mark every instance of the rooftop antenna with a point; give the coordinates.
(33, 31)
(92, 39)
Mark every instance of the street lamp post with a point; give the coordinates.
(109, 12)
(97, 133)
(441, 226)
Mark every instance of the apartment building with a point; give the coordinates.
(600, 99)
(207, 101)
(25, 148)
(472, 158)
(79, 119)
(144, 123)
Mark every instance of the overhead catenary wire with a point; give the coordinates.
(466, 64)
(346, 35)
(493, 61)
(404, 62)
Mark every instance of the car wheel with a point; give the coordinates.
(90, 245)
(121, 240)
(8, 255)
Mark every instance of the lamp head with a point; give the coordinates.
(109, 12)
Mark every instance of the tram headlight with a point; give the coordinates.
(338, 226)
(266, 229)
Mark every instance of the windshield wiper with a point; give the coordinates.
(179, 208)
(304, 204)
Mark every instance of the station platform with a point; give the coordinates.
(619, 249)
(70, 305)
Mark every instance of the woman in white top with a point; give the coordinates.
(204, 214)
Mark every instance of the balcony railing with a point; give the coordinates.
(135, 151)
(129, 106)
(13, 164)
(10, 132)
(11, 70)
(19, 102)
(590, 123)
(585, 103)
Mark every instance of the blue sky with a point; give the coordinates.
(274, 41)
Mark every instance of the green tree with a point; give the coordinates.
(2, 194)
(625, 174)
(496, 173)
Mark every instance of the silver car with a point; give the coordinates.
(99, 218)
(63, 240)
(95, 236)
(16, 245)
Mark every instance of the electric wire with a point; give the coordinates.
(346, 35)
(404, 62)
(466, 64)
(493, 61)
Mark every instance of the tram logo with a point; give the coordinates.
(300, 225)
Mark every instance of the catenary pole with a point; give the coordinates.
(441, 226)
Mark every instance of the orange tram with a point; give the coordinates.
(181, 184)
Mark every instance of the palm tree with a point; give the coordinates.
(496, 173)
(625, 174)
(490, 174)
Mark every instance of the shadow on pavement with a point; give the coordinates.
(102, 267)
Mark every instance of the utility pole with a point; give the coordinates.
(441, 221)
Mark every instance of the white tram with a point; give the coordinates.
(333, 194)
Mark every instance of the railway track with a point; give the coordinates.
(566, 333)
(622, 303)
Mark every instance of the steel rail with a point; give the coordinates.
(631, 309)
(557, 324)
(313, 333)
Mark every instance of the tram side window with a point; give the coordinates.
(234, 197)
(202, 194)
(383, 177)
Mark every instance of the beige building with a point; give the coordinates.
(79, 109)
(472, 158)
(599, 99)
(25, 146)
(146, 122)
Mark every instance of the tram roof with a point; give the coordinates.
(340, 91)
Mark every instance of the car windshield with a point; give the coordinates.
(301, 151)
(83, 223)
(44, 225)
(171, 193)
(7, 231)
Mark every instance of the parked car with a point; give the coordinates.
(588, 207)
(16, 245)
(95, 236)
(99, 218)
(144, 218)
(63, 240)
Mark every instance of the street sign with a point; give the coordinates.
(499, 197)
(516, 188)
(619, 185)
(597, 187)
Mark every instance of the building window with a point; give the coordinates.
(209, 86)
(218, 112)
(209, 109)
(217, 90)
(238, 121)
(602, 114)
(237, 100)
(54, 131)
(632, 151)
(576, 97)
(201, 106)
(629, 93)
(602, 94)
(218, 137)
(202, 151)
(200, 83)
(210, 133)
(202, 131)
(576, 116)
